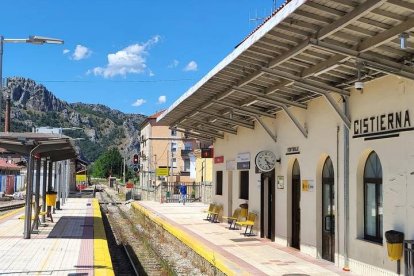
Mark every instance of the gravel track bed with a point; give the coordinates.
(149, 245)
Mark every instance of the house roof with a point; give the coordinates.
(305, 50)
(156, 115)
(8, 166)
(151, 117)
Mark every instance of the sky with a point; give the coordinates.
(131, 55)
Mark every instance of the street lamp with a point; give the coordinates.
(38, 40)
(33, 39)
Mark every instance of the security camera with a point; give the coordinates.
(359, 85)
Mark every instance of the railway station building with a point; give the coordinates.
(312, 116)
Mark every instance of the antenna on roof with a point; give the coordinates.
(255, 19)
(258, 19)
(274, 5)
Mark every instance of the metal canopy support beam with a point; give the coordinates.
(295, 121)
(350, 17)
(375, 63)
(213, 126)
(202, 131)
(268, 130)
(276, 100)
(228, 120)
(338, 110)
(310, 83)
(245, 110)
(386, 36)
(197, 136)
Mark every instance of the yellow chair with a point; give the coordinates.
(251, 218)
(210, 209)
(215, 213)
(231, 220)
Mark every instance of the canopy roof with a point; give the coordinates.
(306, 49)
(53, 146)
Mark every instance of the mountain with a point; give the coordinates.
(101, 127)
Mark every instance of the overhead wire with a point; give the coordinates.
(116, 81)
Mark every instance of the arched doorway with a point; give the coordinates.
(328, 211)
(373, 199)
(296, 205)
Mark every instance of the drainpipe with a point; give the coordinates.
(346, 185)
(338, 221)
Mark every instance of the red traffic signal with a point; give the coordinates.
(136, 159)
(207, 153)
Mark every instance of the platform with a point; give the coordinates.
(74, 244)
(230, 251)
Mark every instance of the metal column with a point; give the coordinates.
(29, 190)
(58, 183)
(37, 193)
(44, 189)
(50, 177)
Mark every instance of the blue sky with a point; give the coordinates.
(134, 56)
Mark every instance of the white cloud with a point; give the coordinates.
(173, 64)
(191, 66)
(81, 52)
(65, 51)
(130, 60)
(139, 102)
(162, 99)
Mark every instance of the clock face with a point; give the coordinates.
(265, 160)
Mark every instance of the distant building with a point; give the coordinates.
(166, 155)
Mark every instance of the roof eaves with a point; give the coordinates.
(269, 24)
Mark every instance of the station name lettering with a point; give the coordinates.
(383, 122)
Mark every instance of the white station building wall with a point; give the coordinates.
(387, 95)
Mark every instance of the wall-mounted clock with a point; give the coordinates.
(265, 160)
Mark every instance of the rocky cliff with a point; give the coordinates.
(101, 127)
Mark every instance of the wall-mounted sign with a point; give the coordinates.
(382, 126)
(161, 171)
(292, 150)
(218, 159)
(280, 182)
(80, 177)
(230, 165)
(308, 185)
(207, 153)
(243, 161)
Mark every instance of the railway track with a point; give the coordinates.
(128, 243)
(11, 207)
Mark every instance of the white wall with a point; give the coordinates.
(325, 138)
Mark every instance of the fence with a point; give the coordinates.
(169, 192)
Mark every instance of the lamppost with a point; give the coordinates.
(38, 40)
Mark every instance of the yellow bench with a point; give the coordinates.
(251, 218)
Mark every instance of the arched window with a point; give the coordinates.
(373, 212)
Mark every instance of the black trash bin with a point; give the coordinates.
(395, 241)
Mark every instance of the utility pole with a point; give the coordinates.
(123, 169)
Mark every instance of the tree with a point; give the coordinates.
(108, 164)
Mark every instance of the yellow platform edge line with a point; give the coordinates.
(101, 257)
(214, 258)
(12, 213)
